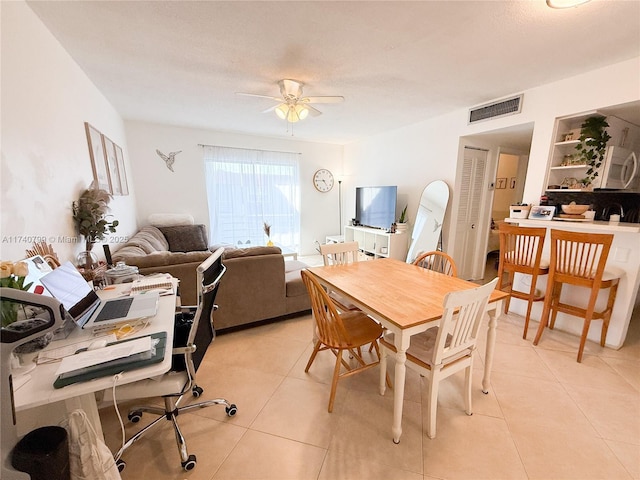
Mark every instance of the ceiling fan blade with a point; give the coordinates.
(325, 99)
(270, 109)
(314, 112)
(277, 99)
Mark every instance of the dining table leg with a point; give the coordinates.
(494, 314)
(401, 343)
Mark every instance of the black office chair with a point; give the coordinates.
(187, 358)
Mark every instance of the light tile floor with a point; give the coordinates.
(545, 417)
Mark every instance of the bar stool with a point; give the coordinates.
(521, 252)
(579, 259)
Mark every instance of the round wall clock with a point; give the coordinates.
(323, 180)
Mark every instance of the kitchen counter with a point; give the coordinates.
(596, 226)
(624, 256)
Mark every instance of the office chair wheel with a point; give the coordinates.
(196, 391)
(231, 410)
(190, 464)
(135, 416)
(121, 464)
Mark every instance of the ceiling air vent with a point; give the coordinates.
(510, 106)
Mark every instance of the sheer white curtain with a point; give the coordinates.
(245, 189)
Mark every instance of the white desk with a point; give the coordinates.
(39, 390)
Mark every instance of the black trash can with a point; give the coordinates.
(44, 454)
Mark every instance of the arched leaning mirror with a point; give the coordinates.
(428, 224)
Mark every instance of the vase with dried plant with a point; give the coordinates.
(90, 218)
(267, 232)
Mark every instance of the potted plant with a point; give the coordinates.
(401, 224)
(90, 218)
(592, 146)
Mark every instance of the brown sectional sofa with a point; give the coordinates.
(151, 251)
(258, 285)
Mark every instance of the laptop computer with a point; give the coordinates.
(68, 287)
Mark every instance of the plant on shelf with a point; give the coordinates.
(592, 145)
(403, 215)
(90, 218)
(401, 225)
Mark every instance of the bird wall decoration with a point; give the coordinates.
(170, 159)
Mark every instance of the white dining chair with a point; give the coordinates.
(446, 349)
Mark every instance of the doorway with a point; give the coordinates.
(511, 173)
(471, 249)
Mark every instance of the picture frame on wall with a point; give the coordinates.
(124, 187)
(112, 165)
(501, 183)
(512, 183)
(98, 158)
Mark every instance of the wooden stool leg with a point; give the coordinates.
(532, 294)
(587, 321)
(544, 318)
(555, 300)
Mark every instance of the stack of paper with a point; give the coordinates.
(75, 364)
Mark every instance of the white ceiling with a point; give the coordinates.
(395, 62)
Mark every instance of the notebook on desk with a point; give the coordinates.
(68, 287)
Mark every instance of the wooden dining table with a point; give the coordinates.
(405, 299)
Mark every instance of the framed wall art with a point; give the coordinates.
(512, 183)
(98, 158)
(124, 187)
(501, 183)
(112, 165)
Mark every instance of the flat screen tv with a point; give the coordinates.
(376, 206)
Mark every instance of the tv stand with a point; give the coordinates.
(378, 243)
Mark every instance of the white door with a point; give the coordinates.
(468, 231)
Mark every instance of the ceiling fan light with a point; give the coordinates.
(302, 111)
(282, 111)
(292, 117)
(565, 3)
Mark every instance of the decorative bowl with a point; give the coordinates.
(574, 209)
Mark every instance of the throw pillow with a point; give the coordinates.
(186, 238)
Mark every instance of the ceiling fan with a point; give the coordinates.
(292, 106)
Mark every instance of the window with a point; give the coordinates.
(245, 189)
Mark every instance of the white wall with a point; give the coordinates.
(414, 156)
(46, 98)
(184, 191)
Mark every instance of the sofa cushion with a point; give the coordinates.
(126, 252)
(250, 252)
(186, 238)
(150, 240)
(293, 278)
(161, 259)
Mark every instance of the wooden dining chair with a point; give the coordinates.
(521, 252)
(579, 259)
(446, 349)
(437, 261)
(338, 332)
(340, 254)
